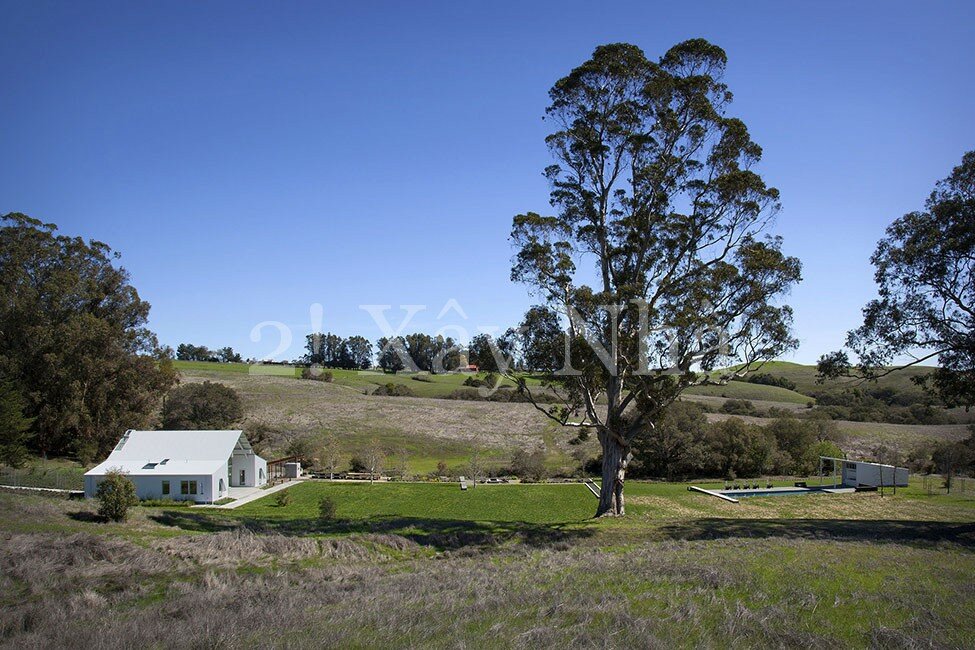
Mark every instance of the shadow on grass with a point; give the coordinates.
(442, 534)
(917, 533)
(88, 516)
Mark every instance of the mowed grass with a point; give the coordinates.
(536, 503)
(572, 504)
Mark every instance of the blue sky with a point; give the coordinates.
(251, 159)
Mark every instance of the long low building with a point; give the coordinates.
(196, 466)
(860, 473)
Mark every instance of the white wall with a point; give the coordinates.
(150, 487)
(255, 470)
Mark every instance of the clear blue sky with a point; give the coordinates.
(250, 159)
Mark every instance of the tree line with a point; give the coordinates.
(190, 352)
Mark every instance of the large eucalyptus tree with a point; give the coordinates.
(656, 256)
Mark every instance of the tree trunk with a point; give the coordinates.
(614, 472)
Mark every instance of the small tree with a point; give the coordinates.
(115, 494)
(282, 499)
(328, 455)
(375, 458)
(326, 509)
(403, 463)
(441, 468)
(476, 466)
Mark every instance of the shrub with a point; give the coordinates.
(116, 494)
(771, 380)
(358, 464)
(738, 407)
(317, 374)
(326, 509)
(425, 378)
(282, 498)
(201, 406)
(528, 465)
(394, 390)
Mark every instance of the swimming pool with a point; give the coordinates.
(767, 492)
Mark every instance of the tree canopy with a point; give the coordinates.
(656, 259)
(74, 339)
(209, 405)
(925, 275)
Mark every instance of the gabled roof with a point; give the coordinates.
(166, 453)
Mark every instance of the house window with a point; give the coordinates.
(165, 488)
(222, 488)
(187, 487)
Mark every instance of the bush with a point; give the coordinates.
(116, 494)
(201, 406)
(425, 378)
(326, 509)
(529, 466)
(738, 407)
(394, 390)
(358, 464)
(282, 498)
(770, 380)
(317, 374)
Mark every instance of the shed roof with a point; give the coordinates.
(165, 453)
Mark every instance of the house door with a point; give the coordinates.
(243, 480)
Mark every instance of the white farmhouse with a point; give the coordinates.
(196, 466)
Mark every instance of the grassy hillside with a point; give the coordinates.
(429, 430)
(512, 566)
(281, 407)
(805, 379)
(754, 392)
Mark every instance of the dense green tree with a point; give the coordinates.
(925, 274)
(201, 406)
(797, 438)
(190, 352)
(227, 355)
(357, 353)
(392, 354)
(542, 340)
(739, 449)
(677, 448)
(657, 203)
(14, 425)
(74, 339)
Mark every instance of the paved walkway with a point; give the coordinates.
(254, 495)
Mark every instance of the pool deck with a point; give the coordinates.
(734, 495)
